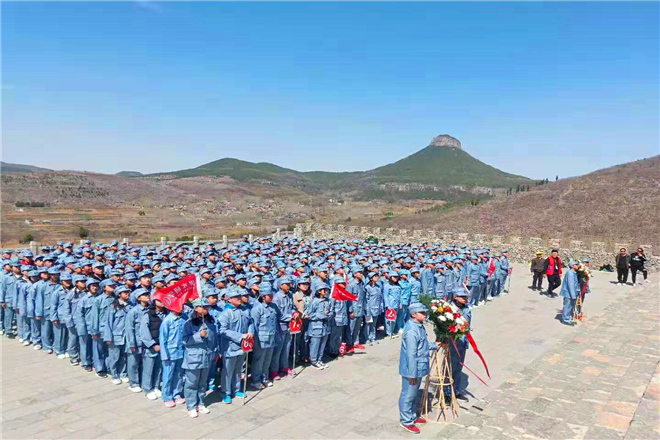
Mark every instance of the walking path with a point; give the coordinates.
(548, 380)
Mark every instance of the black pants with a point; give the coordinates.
(622, 274)
(554, 281)
(634, 270)
(537, 282)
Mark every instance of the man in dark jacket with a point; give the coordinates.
(553, 271)
(538, 270)
(637, 261)
(622, 265)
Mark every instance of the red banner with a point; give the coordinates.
(175, 296)
(247, 345)
(295, 325)
(341, 294)
(476, 350)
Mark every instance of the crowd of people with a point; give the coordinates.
(94, 305)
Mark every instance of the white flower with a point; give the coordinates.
(434, 309)
(442, 318)
(460, 321)
(449, 316)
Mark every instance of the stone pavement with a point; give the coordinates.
(548, 381)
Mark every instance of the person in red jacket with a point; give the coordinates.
(553, 271)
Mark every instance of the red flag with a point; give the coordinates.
(295, 325)
(476, 350)
(247, 345)
(491, 267)
(175, 296)
(390, 314)
(341, 294)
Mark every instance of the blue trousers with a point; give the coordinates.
(503, 279)
(35, 328)
(567, 310)
(475, 290)
(24, 327)
(117, 360)
(173, 379)
(493, 288)
(402, 316)
(317, 347)
(358, 330)
(194, 388)
(455, 359)
(334, 340)
(371, 328)
(7, 320)
(133, 363)
(86, 355)
(47, 337)
(73, 344)
(99, 350)
(213, 372)
(261, 358)
(59, 338)
(280, 359)
(483, 289)
(151, 370)
(231, 374)
(390, 325)
(408, 401)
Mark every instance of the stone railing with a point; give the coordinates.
(520, 249)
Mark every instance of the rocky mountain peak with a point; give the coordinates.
(444, 140)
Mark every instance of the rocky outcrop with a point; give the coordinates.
(444, 140)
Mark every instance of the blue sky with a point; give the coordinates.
(537, 89)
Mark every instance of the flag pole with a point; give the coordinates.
(294, 354)
(245, 377)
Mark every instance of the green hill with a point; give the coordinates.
(444, 166)
(20, 168)
(434, 171)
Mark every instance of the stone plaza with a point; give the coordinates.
(599, 379)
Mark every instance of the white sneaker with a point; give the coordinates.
(67, 355)
(648, 281)
(20, 339)
(135, 389)
(124, 379)
(158, 392)
(2, 332)
(49, 351)
(26, 343)
(37, 347)
(116, 381)
(62, 356)
(203, 410)
(193, 413)
(152, 396)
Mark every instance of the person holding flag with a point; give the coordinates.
(200, 341)
(266, 322)
(339, 305)
(234, 327)
(283, 299)
(320, 313)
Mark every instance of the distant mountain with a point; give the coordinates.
(129, 174)
(621, 202)
(6, 168)
(436, 171)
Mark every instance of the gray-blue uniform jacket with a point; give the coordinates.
(415, 348)
(358, 307)
(234, 323)
(114, 329)
(570, 287)
(375, 300)
(266, 320)
(319, 324)
(199, 352)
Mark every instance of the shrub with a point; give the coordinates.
(27, 237)
(83, 232)
(142, 213)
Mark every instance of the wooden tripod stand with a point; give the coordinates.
(440, 378)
